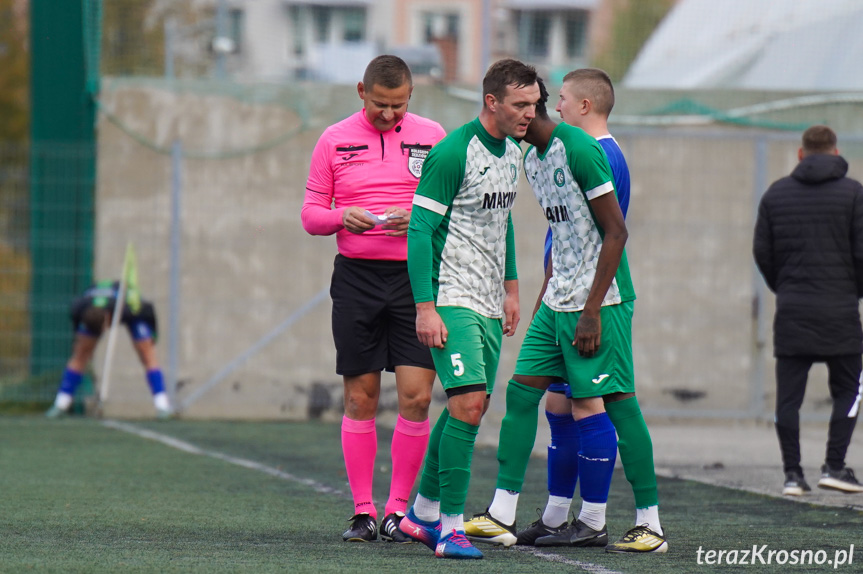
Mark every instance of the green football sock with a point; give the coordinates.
(430, 478)
(636, 450)
(456, 452)
(517, 434)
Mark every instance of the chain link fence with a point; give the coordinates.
(202, 168)
(208, 188)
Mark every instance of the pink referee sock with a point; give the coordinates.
(410, 440)
(360, 446)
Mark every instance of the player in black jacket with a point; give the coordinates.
(809, 247)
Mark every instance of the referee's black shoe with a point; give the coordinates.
(363, 529)
(390, 529)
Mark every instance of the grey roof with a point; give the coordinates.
(764, 45)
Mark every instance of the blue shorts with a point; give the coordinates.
(561, 387)
(141, 326)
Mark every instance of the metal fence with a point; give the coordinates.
(208, 188)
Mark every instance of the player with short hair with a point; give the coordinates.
(594, 93)
(581, 332)
(91, 315)
(362, 177)
(461, 258)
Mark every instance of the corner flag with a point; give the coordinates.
(130, 274)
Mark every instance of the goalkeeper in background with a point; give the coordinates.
(91, 316)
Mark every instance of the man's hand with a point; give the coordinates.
(431, 330)
(588, 333)
(356, 221)
(511, 308)
(398, 223)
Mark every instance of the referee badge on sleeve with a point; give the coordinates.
(417, 154)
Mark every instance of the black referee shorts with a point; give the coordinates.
(374, 317)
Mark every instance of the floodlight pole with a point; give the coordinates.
(174, 288)
(170, 46)
(221, 55)
(485, 54)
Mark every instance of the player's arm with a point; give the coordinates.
(511, 305)
(398, 220)
(857, 239)
(317, 214)
(439, 184)
(588, 330)
(431, 330)
(762, 247)
(591, 170)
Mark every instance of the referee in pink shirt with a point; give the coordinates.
(362, 178)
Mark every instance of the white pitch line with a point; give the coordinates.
(316, 486)
(245, 463)
(586, 566)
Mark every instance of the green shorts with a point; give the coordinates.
(472, 350)
(547, 350)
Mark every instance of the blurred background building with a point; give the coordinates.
(185, 128)
(445, 41)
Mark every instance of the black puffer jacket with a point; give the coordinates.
(809, 247)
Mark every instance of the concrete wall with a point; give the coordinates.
(247, 265)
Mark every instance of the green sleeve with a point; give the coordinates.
(510, 272)
(444, 168)
(587, 160)
(420, 260)
(443, 172)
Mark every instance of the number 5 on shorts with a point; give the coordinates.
(456, 362)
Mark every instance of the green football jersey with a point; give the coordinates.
(461, 245)
(572, 171)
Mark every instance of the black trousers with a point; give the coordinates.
(845, 388)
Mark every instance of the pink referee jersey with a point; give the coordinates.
(355, 164)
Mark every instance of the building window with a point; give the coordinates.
(437, 25)
(534, 31)
(452, 21)
(297, 19)
(576, 34)
(354, 24)
(322, 17)
(235, 27)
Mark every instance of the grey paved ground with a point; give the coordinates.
(745, 455)
(737, 454)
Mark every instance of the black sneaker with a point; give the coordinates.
(538, 529)
(390, 529)
(577, 534)
(363, 529)
(841, 480)
(795, 484)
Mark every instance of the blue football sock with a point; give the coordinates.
(597, 456)
(562, 455)
(156, 381)
(70, 381)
